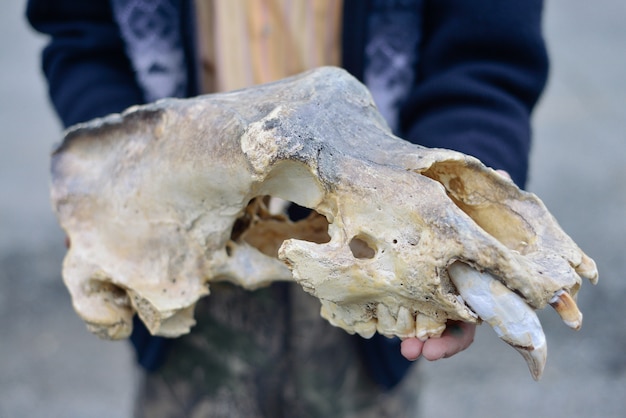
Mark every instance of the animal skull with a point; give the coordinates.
(164, 199)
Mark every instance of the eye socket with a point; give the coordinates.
(265, 229)
(360, 248)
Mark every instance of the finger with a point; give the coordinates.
(457, 337)
(411, 348)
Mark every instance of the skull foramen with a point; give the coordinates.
(164, 199)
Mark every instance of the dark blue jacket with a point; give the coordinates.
(478, 68)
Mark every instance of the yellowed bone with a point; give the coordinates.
(165, 199)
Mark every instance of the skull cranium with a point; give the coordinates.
(166, 198)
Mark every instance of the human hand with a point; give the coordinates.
(456, 338)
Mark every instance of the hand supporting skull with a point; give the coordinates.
(166, 198)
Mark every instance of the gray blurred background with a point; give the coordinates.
(50, 366)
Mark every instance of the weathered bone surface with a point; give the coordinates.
(164, 199)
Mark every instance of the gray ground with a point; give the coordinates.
(51, 366)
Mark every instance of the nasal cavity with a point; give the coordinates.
(360, 248)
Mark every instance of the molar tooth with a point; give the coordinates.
(512, 319)
(426, 327)
(386, 322)
(401, 325)
(566, 307)
(366, 329)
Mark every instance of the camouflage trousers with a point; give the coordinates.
(267, 353)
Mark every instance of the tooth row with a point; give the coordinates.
(512, 319)
(405, 325)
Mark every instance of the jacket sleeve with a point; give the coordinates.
(84, 62)
(482, 66)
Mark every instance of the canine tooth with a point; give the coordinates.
(426, 327)
(535, 358)
(512, 319)
(567, 309)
